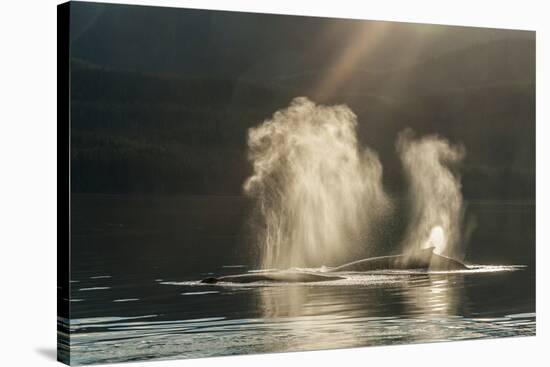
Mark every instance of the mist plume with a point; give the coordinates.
(434, 192)
(318, 194)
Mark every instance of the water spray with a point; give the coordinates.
(318, 194)
(435, 192)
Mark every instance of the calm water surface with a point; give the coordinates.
(135, 294)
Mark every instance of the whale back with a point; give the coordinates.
(424, 259)
(275, 276)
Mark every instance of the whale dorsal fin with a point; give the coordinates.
(430, 249)
(423, 255)
(424, 251)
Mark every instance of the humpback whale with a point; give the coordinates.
(424, 259)
(273, 276)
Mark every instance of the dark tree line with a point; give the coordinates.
(139, 133)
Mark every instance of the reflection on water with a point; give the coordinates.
(367, 309)
(423, 295)
(120, 340)
(433, 296)
(135, 296)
